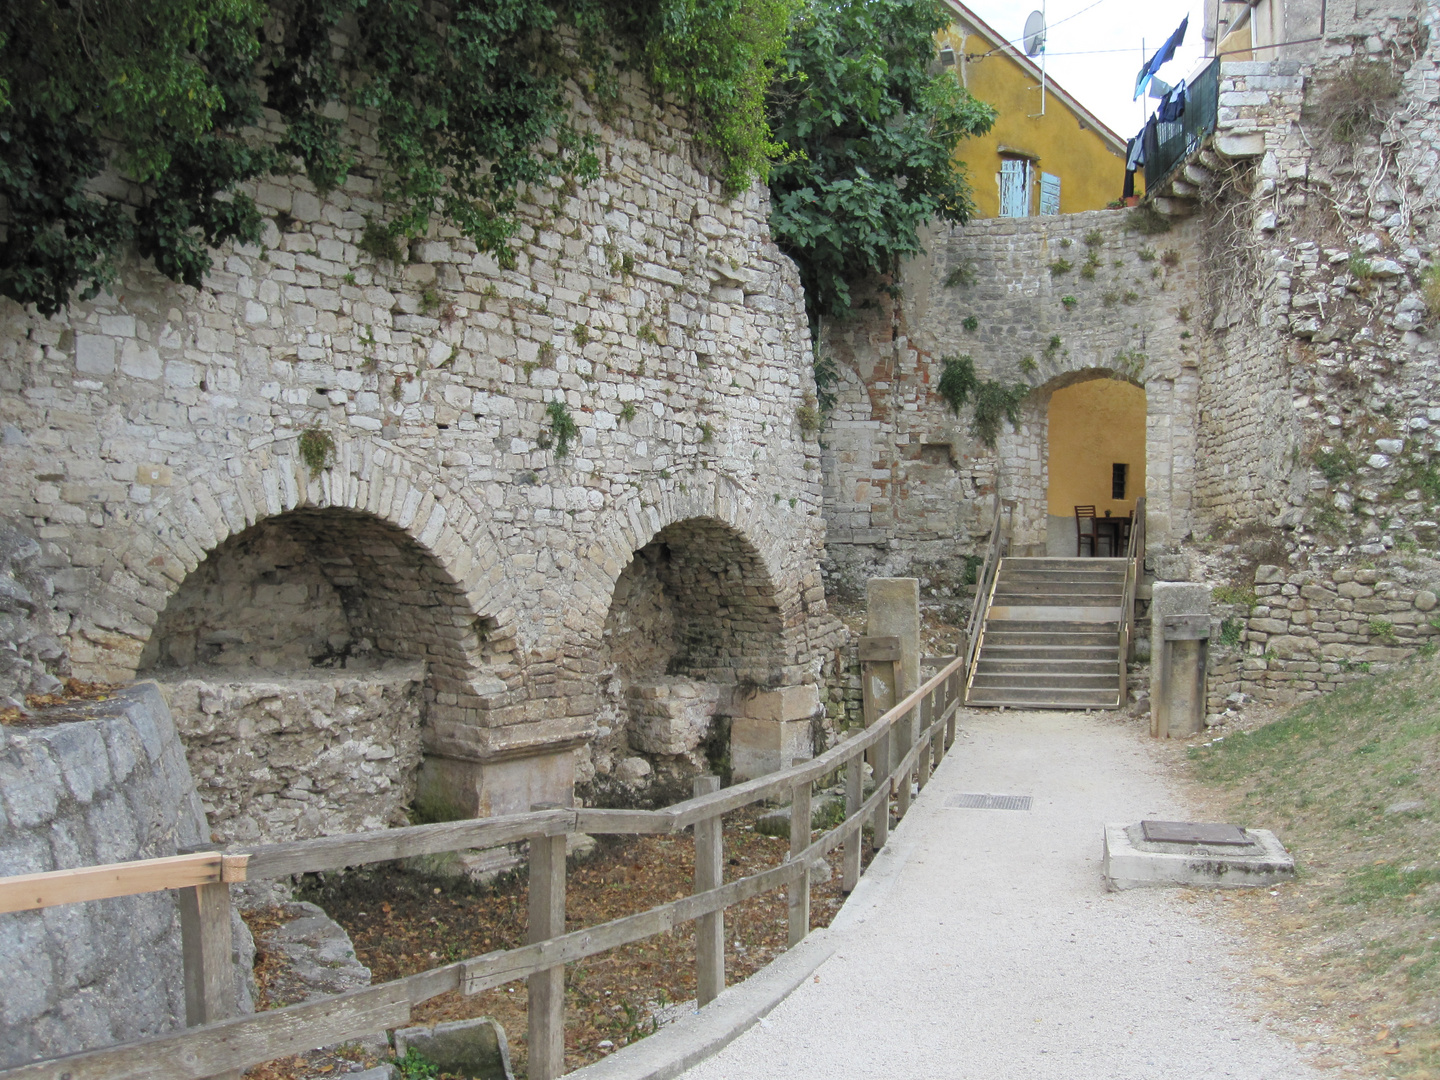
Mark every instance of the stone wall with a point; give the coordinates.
(289, 757)
(32, 654)
(84, 784)
(147, 428)
(1054, 301)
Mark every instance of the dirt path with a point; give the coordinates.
(992, 949)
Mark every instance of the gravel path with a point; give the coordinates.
(990, 949)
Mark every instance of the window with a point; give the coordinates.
(1049, 193)
(1118, 474)
(1015, 180)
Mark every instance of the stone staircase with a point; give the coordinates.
(1051, 636)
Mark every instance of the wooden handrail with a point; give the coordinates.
(217, 1047)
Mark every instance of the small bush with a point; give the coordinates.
(581, 334)
(1147, 254)
(1234, 594)
(1094, 239)
(1383, 630)
(1357, 100)
(379, 242)
(1069, 301)
(961, 276)
(970, 322)
(1060, 266)
(1148, 221)
(1360, 266)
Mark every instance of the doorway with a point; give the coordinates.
(1096, 457)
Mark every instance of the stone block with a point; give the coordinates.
(893, 609)
(758, 747)
(453, 788)
(784, 703)
(475, 1049)
(671, 715)
(1128, 861)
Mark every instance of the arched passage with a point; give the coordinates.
(1095, 454)
(694, 629)
(301, 658)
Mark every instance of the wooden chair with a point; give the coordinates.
(1084, 514)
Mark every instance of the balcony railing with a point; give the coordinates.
(1169, 144)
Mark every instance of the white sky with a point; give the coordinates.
(1104, 81)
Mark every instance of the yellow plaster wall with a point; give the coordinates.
(1091, 174)
(1092, 426)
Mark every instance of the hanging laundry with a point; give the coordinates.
(1135, 152)
(1173, 107)
(1162, 57)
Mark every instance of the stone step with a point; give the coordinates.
(1023, 633)
(1041, 651)
(1007, 599)
(1110, 587)
(1041, 563)
(1012, 680)
(1054, 613)
(1049, 663)
(1047, 698)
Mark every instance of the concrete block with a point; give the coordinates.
(1129, 861)
(475, 1049)
(758, 747)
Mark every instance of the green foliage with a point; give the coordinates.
(1147, 254)
(1090, 265)
(869, 134)
(1147, 221)
(1027, 365)
(317, 450)
(1234, 594)
(1383, 630)
(1230, 632)
(1337, 465)
(1360, 266)
(1357, 99)
(581, 334)
(994, 402)
(416, 1066)
(1060, 266)
(827, 375)
(1053, 345)
(627, 411)
(1069, 301)
(719, 56)
(1094, 239)
(157, 92)
(961, 276)
(970, 322)
(469, 101)
(1430, 289)
(809, 416)
(563, 429)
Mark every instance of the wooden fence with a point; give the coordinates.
(914, 735)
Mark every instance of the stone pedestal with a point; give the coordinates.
(772, 731)
(892, 608)
(450, 789)
(1178, 658)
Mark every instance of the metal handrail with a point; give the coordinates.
(997, 548)
(1134, 568)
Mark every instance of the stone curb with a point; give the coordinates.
(693, 1038)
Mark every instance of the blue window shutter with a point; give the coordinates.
(1049, 193)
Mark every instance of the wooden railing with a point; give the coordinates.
(1134, 571)
(919, 730)
(997, 548)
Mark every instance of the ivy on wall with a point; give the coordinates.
(469, 98)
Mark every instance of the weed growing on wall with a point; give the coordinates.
(317, 450)
(563, 429)
(994, 402)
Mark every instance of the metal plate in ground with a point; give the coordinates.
(1194, 832)
(988, 802)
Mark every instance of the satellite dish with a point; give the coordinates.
(1034, 34)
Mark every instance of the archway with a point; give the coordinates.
(694, 629)
(301, 658)
(1095, 455)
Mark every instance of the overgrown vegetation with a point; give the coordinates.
(468, 98)
(563, 429)
(994, 402)
(869, 134)
(1357, 99)
(1349, 782)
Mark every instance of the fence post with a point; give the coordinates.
(904, 733)
(709, 874)
(799, 892)
(854, 796)
(953, 689)
(206, 945)
(547, 988)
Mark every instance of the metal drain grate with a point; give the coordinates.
(988, 802)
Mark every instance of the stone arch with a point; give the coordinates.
(1025, 452)
(702, 617)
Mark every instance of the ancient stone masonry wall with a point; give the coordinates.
(150, 428)
(1046, 301)
(32, 654)
(93, 783)
(1313, 630)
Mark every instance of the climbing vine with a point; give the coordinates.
(469, 99)
(994, 402)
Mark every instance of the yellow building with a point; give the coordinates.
(1054, 157)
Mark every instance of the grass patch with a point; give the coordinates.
(1350, 783)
